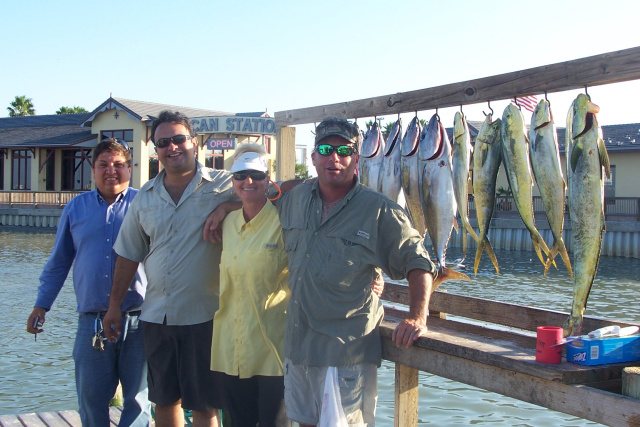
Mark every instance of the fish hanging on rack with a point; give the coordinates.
(461, 158)
(547, 170)
(486, 164)
(515, 155)
(587, 164)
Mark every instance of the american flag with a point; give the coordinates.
(527, 102)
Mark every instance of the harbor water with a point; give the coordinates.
(38, 375)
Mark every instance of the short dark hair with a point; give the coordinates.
(167, 116)
(113, 146)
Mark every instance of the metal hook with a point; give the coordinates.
(461, 109)
(416, 114)
(490, 109)
(391, 104)
(437, 115)
(587, 92)
(547, 99)
(515, 101)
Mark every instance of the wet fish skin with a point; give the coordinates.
(410, 175)
(515, 155)
(589, 163)
(436, 186)
(461, 157)
(486, 164)
(371, 155)
(390, 180)
(547, 169)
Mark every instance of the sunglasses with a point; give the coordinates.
(255, 175)
(176, 139)
(119, 141)
(342, 150)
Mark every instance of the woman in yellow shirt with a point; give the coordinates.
(248, 328)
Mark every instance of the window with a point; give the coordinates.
(21, 170)
(610, 183)
(76, 169)
(126, 134)
(50, 173)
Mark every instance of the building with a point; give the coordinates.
(53, 152)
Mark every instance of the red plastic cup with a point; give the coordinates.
(546, 349)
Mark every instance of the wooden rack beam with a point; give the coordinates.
(613, 67)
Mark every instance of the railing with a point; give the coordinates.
(489, 356)
(36, 199)
(620, 208)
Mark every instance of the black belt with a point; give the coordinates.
(103, 313)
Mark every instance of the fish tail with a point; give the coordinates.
(558, 248)
(540, 246)
(485, 245)
(445, 274)
(573, 325)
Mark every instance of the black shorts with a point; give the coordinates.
(258, 400)
(179, 359)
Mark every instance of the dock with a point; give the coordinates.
(53, 419)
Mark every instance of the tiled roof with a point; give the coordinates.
(43, 131)
(147, 111)
(46, 120)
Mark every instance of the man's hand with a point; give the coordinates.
(40, 313)
(111, 324)
(212, 230)
(377, 286)
(408, 331)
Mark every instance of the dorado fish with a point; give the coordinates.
(545, 162)
(486, 164)
(589, 163)
(371, 156)
(390, 181)
(436, 186)
(515, 155)
(410, 175)
(461, 156)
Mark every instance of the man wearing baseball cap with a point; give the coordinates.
(337, 232)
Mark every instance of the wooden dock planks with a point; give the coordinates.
(53, 419)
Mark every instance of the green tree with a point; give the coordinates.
(21, 106)
(71, 110)
(301, 171)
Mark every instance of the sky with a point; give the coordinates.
(247, 56)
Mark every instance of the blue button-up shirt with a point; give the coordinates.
(86, 233)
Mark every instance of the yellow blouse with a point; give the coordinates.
(248, 328)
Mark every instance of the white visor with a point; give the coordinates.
(250, 161)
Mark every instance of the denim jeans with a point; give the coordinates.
(98, 372)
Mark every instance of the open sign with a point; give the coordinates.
(222, 143)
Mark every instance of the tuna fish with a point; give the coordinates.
(515, 155)
(436, 186)
(461, 156)
(588, 163)
(391, 175)
(371, 156)
(545, 162)
(410, 175)
(486, 164)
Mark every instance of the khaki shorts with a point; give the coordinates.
(304, 388)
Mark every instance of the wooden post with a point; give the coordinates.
(406, 397)
(631, 381)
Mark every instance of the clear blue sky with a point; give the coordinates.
(240, 56)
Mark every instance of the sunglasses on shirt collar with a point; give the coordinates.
(342, 150)
(176, 139)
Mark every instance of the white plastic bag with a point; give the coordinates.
(332, 414)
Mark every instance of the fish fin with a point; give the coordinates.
(445, 274)
(558, 248)
(534, 143)
(604, 157)
(576, 152)
(485, 153)
(455, 224)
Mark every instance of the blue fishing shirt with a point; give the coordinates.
(87, 230)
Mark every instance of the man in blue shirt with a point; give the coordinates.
(88, 227)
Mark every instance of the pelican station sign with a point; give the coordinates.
(235, 125)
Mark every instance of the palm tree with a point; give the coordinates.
(71, 110)
(21, 106)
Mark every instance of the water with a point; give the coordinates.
(38, 376)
